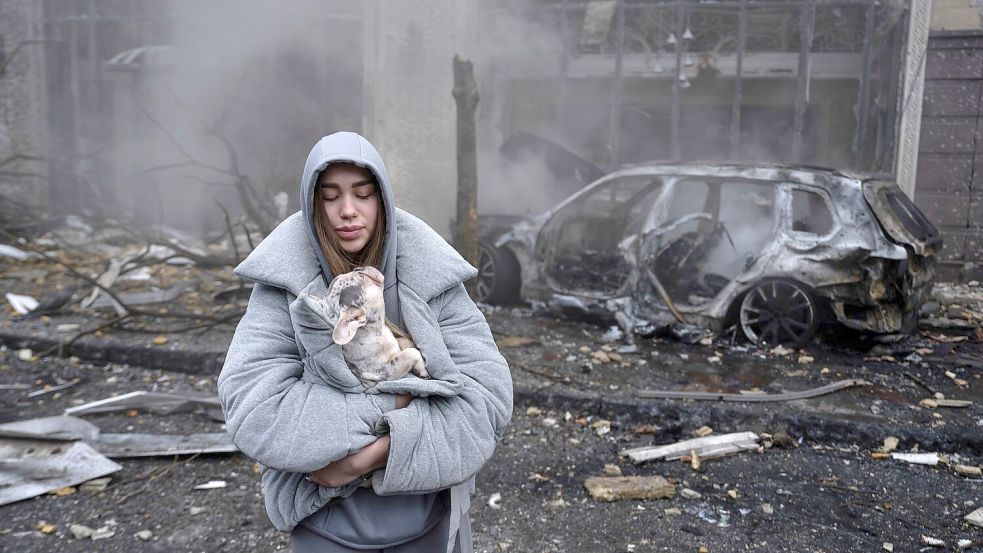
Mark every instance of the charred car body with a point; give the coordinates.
(775, 249)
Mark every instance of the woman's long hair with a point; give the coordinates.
(340, 261)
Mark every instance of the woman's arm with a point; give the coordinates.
(274, 416)
(443, 441)
(360, 463)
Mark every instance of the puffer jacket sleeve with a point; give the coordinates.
(443, 441)
(290, 497)
(273, 414)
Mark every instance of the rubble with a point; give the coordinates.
(120, 446)
(618, 488)
(21, 304)
(15, 253)
(968, 470)
(930, 459)
(754, 397)
(687, 493)
(34, 467)
(156, 402)
(211, 485)
(707, 447)
(975, 518)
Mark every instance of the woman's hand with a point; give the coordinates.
(356, 465)
(402, 400)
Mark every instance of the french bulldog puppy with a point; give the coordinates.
(355, 305)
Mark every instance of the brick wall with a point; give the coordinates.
(949, 186)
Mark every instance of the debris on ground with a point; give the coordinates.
(968, 470)
(515, 341)
(932, 542)
(34, 467)
(975, 518)
(120, 446)
(495, 501)
(756, 396)
(703, 431)
(612, 470)
(50, 428)
(617, 488)
(708, 447)
(687, 493)
(930, 459)
(155, 402)
(211, 485)
(21, 304)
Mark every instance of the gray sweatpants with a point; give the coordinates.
(304, 540)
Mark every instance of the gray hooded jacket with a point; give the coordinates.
(292, 404)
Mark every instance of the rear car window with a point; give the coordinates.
(810, 213)
(910, 216)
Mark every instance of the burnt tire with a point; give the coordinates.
(499, 276)
(779, 311)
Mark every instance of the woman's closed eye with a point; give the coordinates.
(358, 196)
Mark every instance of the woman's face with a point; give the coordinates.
(351, 203)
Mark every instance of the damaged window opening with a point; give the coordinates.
(714, 231)
(585, 249)
(810, 213)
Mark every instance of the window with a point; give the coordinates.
(810, 213)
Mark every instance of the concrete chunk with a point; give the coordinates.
(618, 488)
(975, 518)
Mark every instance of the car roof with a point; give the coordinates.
(784, 172)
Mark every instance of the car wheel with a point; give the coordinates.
(779, 311)
(498, 275)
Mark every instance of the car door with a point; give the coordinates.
(708, 232)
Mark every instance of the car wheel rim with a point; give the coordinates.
(778, 312)
(486, 274)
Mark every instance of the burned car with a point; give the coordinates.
(774, 249)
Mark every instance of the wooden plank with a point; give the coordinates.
(678, 449)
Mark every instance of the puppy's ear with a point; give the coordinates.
(351, 319)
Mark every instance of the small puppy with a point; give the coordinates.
(355, 305)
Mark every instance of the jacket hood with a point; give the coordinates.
(352, 148)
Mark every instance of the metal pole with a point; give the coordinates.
(863, 95)
(807, 23)
(675, 84)
(560, 110)
(614, 139)
(735, 118)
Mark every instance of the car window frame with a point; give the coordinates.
(789, 221)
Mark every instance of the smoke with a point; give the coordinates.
(238, 95)
(230, 89)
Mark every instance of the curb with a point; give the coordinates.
(111, 350)
(675, 417)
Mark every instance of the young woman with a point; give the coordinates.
(292, 404)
